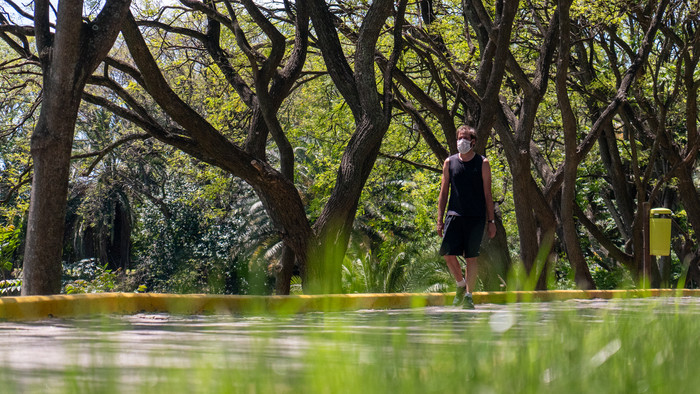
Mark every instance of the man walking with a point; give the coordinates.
(467, 177)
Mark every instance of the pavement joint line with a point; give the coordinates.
(30, 308)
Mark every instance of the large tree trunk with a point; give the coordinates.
(359, 88)
(335, 222)
(525, 216)
(285, 271)
(276, 191)
(555, 184)
(51, 150)
(272, 86)
(582, 275)
(688, 193)
(535, 219)
(68, 57)
(494, 258)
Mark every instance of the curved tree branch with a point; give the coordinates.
(109, 148)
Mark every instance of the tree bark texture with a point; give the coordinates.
(582, 275)
(50, 149)
(68, 57)
(276, 191)
(358, 88)
(535, 220)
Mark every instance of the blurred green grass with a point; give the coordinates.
(618, 346)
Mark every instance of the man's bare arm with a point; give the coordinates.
(490, 213)
(442, 198)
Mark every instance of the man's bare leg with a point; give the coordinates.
(471, 275)
(454, 267)
(456, 270)
(472, 272)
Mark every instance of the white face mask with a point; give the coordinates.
(464, 145)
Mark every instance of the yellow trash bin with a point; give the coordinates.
(660, 231)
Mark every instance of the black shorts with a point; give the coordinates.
(462, 236)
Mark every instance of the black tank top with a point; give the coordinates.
(466, 187)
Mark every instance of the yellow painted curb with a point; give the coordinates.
(502, 297)
(42, 307)
(66, 306)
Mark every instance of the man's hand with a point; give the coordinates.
(440, 226)
(492, 230)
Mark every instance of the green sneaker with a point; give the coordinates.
(468, 302)
(459, 297)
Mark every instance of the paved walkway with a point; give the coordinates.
(34, 351)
